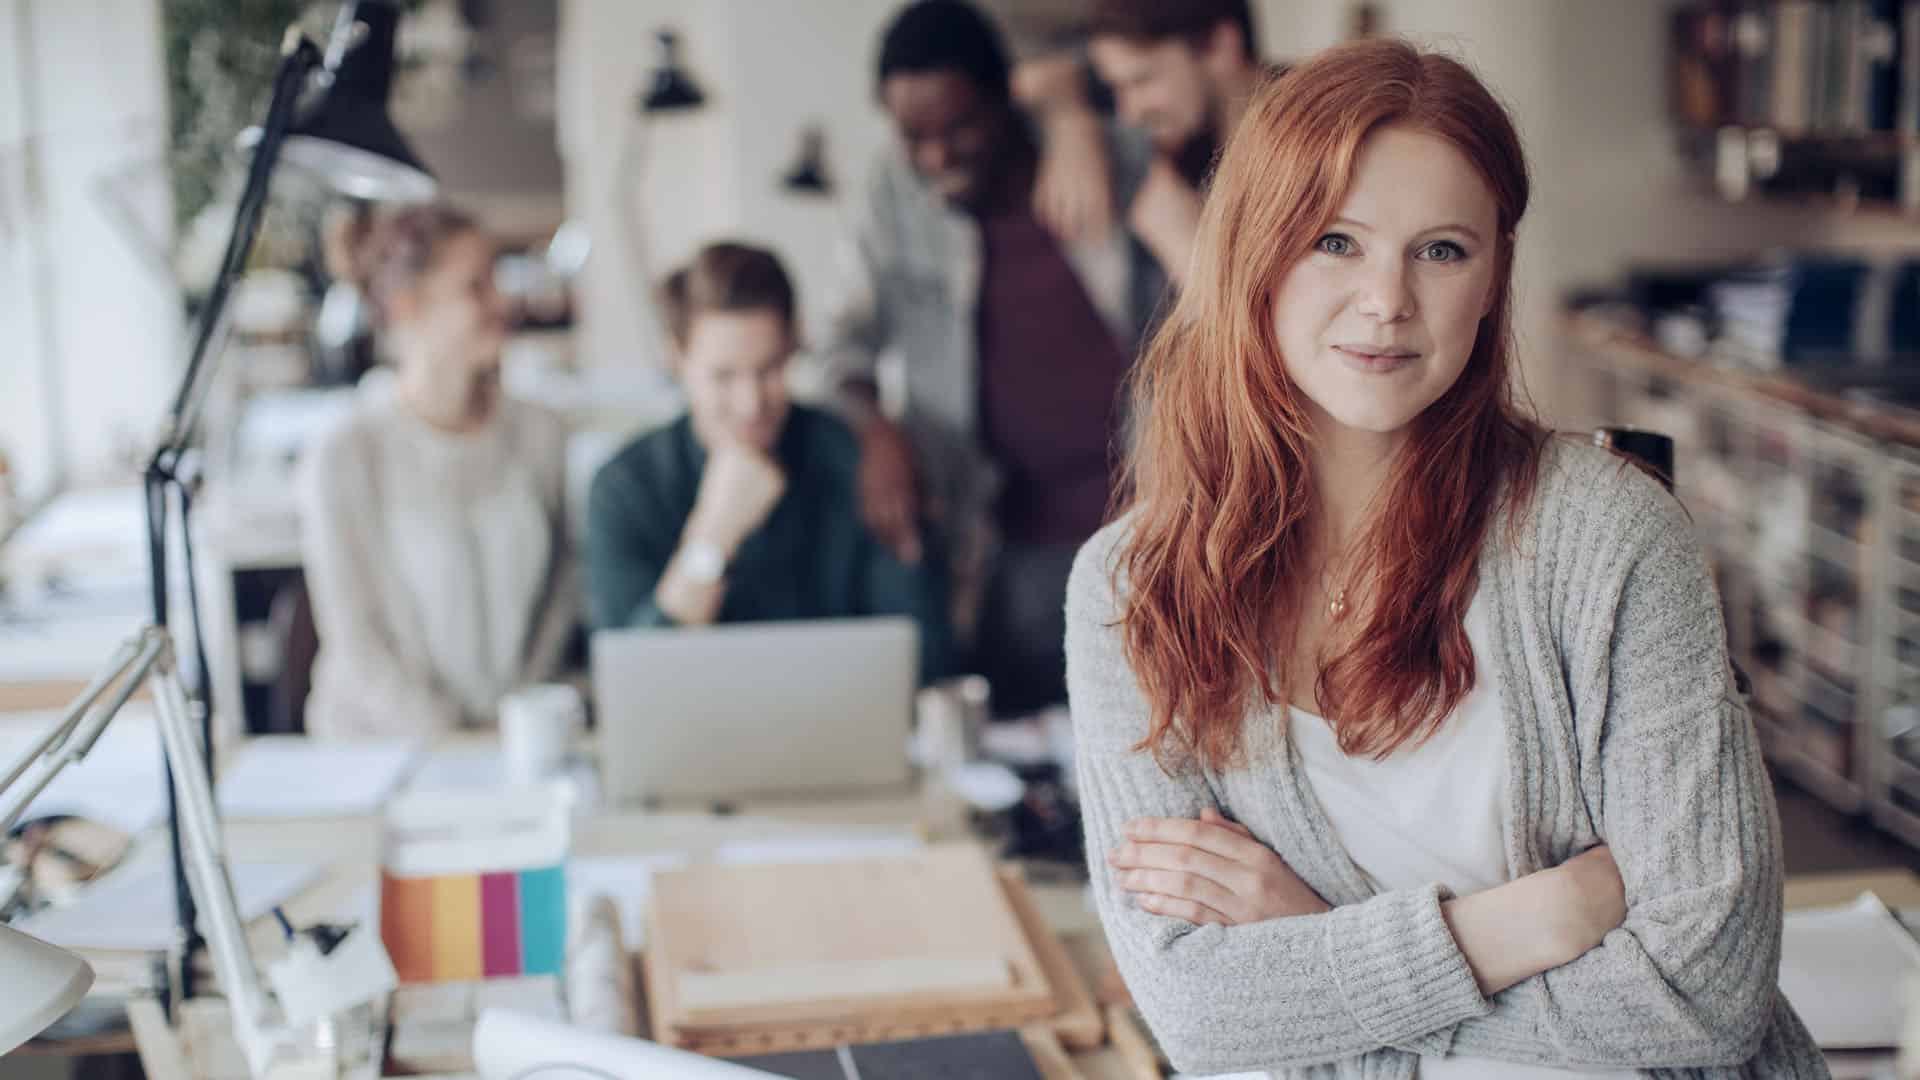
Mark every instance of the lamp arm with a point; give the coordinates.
(148, 659)
(122, 659)
(299, 57)
(74, 736)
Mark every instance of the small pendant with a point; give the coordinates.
(1337, 607)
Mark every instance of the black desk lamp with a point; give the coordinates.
(328, 116)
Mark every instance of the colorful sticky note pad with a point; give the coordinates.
(469, 926)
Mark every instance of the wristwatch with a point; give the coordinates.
(703, 562)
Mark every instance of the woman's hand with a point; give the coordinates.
(1594, 898)
(1539, 922)
(1209, 871)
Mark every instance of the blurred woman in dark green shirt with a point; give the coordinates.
(744, 509)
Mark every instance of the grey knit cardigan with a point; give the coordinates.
(1622, 727)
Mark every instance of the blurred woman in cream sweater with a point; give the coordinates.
(432, 519)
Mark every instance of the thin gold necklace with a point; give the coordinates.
(1337, 606)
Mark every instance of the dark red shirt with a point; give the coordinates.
(1050, 376)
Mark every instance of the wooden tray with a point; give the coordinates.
(1070, 1011)
(930, 938)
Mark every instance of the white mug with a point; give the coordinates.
(538, 726)
(951, 716)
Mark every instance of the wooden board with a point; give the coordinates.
(1135, 1048)
(1895, 888)
(1094, 960)
(905, 911)
(1076, 1019)
(803, 992)
(1048, 1054)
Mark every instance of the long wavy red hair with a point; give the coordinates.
(1218, 476)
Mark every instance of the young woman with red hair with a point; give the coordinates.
(1407, 739)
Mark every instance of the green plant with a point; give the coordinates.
(220, 60)
(221, 55)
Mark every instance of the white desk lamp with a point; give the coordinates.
(39, 983)
(328, 113)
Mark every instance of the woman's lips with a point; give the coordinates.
(1375, 359)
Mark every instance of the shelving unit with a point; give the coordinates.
(1809, 507)
(1895, 775)
(1801, 99)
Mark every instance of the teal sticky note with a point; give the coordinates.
(543, 920)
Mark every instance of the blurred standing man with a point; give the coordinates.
(1181, 71)
(1011, 344)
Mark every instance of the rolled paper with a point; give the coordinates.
(514, 1046)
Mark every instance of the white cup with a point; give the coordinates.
(538, 726)
(952, 714)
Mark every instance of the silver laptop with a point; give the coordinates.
(772, 708)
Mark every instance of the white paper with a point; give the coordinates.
(291, 776)
(483, 768)
(311, 986)
(627, 880)
(1846, 970)
(509, 1045)
(824, 845)
(473, 768)
(81, 534)
(132, 907)
(118, 783)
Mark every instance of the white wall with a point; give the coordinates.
(86, 90)
(769, 68)
(1585, 80)
(26, 436)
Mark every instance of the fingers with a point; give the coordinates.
(1175, 907)
(1179, 885)
(1217, 839)
(1214, 817)
(892, 517)
(904, 542)
(1185, 873)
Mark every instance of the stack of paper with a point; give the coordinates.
(131, 909)
(290, 776)
(1847, 972)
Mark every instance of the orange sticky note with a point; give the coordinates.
(406, 925)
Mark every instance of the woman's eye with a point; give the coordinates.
(1443, 251)
(1335, 244)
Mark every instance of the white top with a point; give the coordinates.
(439, 567)
(1430, 813)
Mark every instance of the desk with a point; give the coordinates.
(350, 849)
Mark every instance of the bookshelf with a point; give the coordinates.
(1807, 501)
(1816, 101)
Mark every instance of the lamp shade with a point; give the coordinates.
(345, 135)
(39, 983)
(670, 88)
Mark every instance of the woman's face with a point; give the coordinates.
(448, 330)
(734, 370)
(1379, 319)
